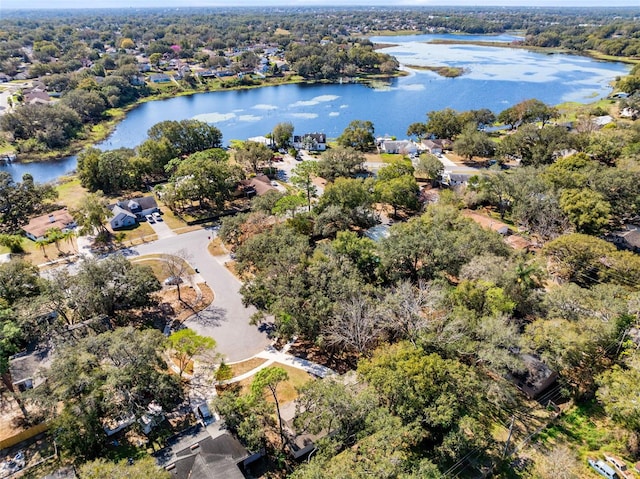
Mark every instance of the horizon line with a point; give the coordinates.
(296, 4)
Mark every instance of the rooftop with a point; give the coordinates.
(38, 226)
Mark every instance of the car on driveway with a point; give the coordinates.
(156, 216)
(173, 280)
(150, 219)
(274, 183)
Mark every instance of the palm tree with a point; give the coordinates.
(69, 236)
(54, 235)
(42, 243)
(529, 276)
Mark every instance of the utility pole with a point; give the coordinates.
(506, 446)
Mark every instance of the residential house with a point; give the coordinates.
(127, 213)
(149, 420)
(36, 96)
(432, 147)
(282, 65)
(263, 140)
(310, 141)
(443, 143)
(122, 218)
(37, 227)
(628, 238)
(402, 147)
(258, 185)
(195, 454)
(450, 178)
(535, 378)
(206, 73)
(25, 368)
(160, 78)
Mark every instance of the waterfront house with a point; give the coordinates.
(432, 147)
(310, 141)
(402, 147)
(160, 78)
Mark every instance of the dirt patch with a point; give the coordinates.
(485, 221)
(231, 266)
(189, 304)
(245, 366)
(216, 247)
(188, 368)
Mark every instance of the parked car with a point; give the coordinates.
(274, 183)
(150, 219)
(603, 469)
(156, 216)
(173, 280)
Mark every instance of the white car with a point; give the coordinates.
(274, 183)
(150, 219)
(173, 280)
(156, 216)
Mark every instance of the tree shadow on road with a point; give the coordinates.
(211, 316)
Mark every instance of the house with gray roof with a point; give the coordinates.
(127, 213)
(196, 454)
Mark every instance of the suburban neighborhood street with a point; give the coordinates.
(226, 320)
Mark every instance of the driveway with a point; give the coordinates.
(226, 320)
(454, 167)
(162, 229)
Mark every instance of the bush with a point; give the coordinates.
(13, 242)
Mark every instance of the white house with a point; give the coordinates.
(310, 141)
(128, 212)
(450, 178)
(432, 147)
(122, 218)
(402, 147)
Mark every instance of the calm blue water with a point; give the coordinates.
(495, 78)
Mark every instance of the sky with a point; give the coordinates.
(68, 4)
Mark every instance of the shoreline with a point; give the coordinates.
(103, 129)
(544, 50)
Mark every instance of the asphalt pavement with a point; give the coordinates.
(226, 320)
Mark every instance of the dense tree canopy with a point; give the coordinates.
(102, 380)
(19, 201)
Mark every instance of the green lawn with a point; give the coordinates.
(587, 428)
(158, 265)
(70, 192)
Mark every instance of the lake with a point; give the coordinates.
(495, 78)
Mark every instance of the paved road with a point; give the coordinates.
(226, 320)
